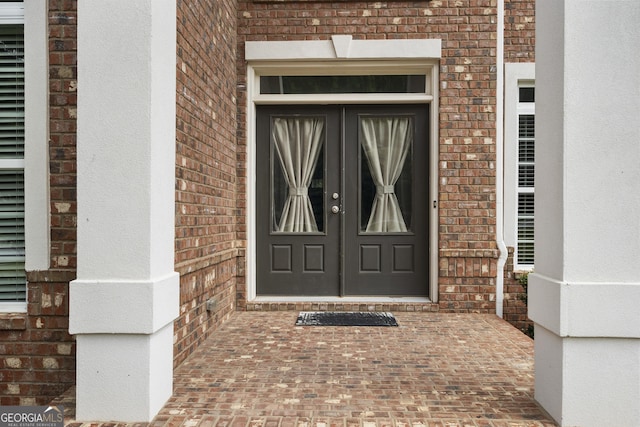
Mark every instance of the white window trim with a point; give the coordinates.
(37, 209)
(342, 56)
(12, 13)
(33, 14)
(516, 75)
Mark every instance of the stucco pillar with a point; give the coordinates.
(126, 296)
(585, 294)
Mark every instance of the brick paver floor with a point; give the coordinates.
(445, 370)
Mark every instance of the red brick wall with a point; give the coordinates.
(206, 180)
(515, 305)
(519, 31)
(467, 250)
(38, 354)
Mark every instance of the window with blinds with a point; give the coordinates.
(12, 243)
(526, 176)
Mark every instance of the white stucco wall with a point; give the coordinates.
(585, 292)
(602, 140)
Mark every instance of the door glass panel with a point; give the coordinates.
(386, 144)
(297, 201)
(295, 85)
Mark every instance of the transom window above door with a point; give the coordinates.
(291, 85)
(343, 70)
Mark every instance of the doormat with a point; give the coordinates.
(345, 318)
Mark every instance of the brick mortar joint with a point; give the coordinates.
(193, 266)
(51, 276)
(469, 253)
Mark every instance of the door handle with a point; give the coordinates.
(335, 209)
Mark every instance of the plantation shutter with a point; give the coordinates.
(526, 187)
(12, 246)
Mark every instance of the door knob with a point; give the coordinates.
(335, 209)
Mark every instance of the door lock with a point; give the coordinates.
(335, 209)
(335, 196)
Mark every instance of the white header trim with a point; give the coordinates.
(342, 47)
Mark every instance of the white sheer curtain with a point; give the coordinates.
(298, 142)
(386, 142)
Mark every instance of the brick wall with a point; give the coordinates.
(206, 180)
(519, 31)
(515, 305)
(38, 354)
(467, 251)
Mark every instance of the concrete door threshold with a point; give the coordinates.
(360, 303)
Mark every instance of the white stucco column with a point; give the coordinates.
(585, 294)
(126, 296)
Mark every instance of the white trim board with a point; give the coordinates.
(37, 207)
(343, 47)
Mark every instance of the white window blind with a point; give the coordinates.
(526, 178)
(12, 244)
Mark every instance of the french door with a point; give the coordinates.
(342, 194)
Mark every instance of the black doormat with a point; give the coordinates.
(345, 318)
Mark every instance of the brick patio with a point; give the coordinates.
(434, 369)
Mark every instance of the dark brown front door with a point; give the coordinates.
(342, 196)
